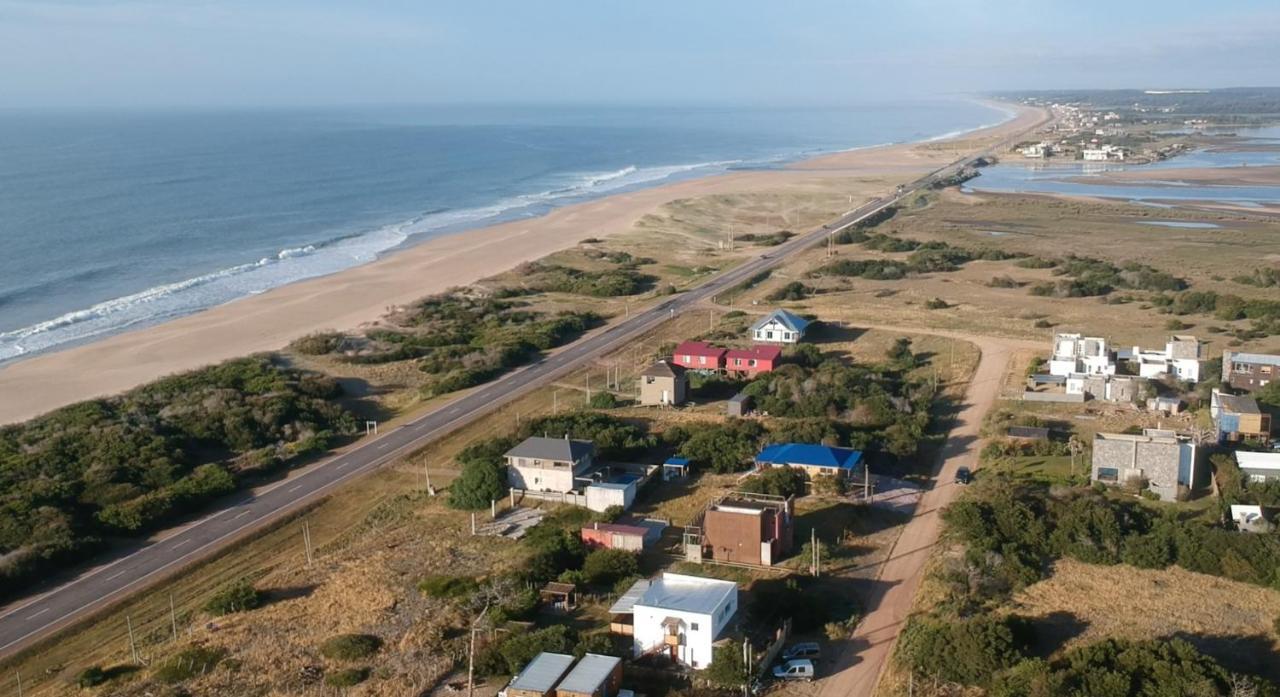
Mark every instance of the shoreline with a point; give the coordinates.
(356, 296)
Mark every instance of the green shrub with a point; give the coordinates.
(483, 478)
(778, 481)
(968, 652)
(936, 304)
(509, 655)
(317, 343)
(794, 290)
(727, 669)
(446, 586)
(189, 663)
(604, 567)
(347, 677)
(91, 677)
(350, 647)
(235, 596)
(603, 400)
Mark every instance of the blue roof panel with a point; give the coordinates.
(810, 455)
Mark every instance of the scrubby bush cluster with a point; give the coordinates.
(608, 283)
(236, 596)
(1087, 277)
(925, 257)
(128, 464)
(770, 239)
(795, 290)
(463, 339)
(350, 647)
(1013, 530)
(1263, 314)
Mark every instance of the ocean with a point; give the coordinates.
(113, 221)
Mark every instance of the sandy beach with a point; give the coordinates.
(360, 295)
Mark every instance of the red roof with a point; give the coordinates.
(698, 348)
(760, 353)
(618, 528)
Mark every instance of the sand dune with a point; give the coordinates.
(356, 296)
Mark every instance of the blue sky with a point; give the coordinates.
(108, 53)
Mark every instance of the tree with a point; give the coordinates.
(778, 481)
(727, 669)
(604, 567)
(483, 477)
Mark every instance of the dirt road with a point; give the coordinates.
(858, 665)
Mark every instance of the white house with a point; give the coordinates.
(780, 327)
(1258, 468)
(548, 464)
(1103, 153)
(1037, 150)
(1075, 354)
(1179, 358)
(682, 616)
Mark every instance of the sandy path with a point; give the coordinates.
(859, 664)
(360, 295)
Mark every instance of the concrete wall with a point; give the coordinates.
(734, 537)
(656, 391)
(540, 478)
(1052, 397)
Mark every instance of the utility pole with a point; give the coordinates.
(588, 386)
(471, 655)
(813, 554)
(173, 618)
(306, 540)
(18, 675)
(866, 482)
(426, 470)
(133, 645)
(555, 401)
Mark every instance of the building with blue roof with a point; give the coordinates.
(780, 327)
(813, 459)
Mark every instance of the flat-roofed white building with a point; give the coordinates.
(683, 616)
(1077, 354)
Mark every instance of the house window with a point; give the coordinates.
(1108, 474)
(768, 335)
(702, 359)
(693, 626)
(753, 362)
(786, 335)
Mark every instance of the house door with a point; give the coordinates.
(666, 397)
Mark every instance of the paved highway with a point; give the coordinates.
(28, 621)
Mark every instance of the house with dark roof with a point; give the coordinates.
(750, 362)
(663, 384)
(699, 355)
(548, 464)
(780, 327)
(1249, 371)
(1238, 416)
(814, 460)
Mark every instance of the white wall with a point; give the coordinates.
(780, 334)
(600, 498)
(540, 479)
(697, 649)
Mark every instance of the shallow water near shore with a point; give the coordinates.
(1073, 177)
(120, 220)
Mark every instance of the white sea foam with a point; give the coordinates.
(293, 264)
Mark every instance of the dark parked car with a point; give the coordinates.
(964, 476)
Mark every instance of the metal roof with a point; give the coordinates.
(694, 594)
(627, 602)
(762, 353)
(590, 673)
(698, 348)
(556, 449)
(788, 319)
(542, 673)
(810, 455)
(1257, 358)
(677, 461)
(1257, 461)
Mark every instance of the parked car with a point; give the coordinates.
(799, 669)
(806, 649)
(964, 476)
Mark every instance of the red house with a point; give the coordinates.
(752, 361)
(699, 355)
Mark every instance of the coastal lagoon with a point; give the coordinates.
(120, 220)
(1071, 178)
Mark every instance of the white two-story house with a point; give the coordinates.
(683, 616)
(780, 327)
(548, 464)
